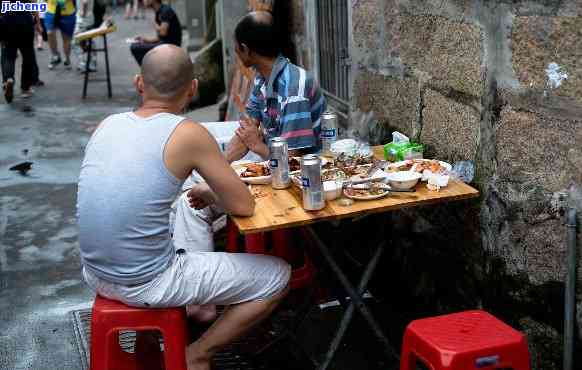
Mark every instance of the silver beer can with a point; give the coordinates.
(312, 186)
(279, 163)
(329, 131)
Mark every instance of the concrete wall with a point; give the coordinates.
(467, 78)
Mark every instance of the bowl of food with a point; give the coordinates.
(255, 173)
(403, 180)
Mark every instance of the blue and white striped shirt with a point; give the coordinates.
(288, 105)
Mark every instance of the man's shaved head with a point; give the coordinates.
(257, 31)
(167, 71)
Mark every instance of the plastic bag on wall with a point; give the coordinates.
(463, 171)
(364, 127)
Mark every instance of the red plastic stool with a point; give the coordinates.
(464, 341)
(257, 243)
(111, 316)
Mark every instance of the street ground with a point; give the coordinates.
(40, 281)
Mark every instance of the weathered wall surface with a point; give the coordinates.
(468, 78)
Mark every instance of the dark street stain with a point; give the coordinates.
(22, 167)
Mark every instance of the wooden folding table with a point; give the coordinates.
(279, 209)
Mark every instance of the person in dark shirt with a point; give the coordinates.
(18, 35)
(168, 30)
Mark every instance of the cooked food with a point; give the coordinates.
(344, 160)
(369, 190)
(417, 165)
(294, 164)
(333, 174)
(431, 165)
(328, 166)
(355, 171)
(256, 170)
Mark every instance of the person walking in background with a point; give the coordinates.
(41, 37)
(168, 30)
(18, 35)
(134, 9)
(60, 14)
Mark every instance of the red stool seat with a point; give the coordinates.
(464, 341)
(111, 316)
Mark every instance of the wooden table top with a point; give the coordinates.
(95, 32)
(280, 209)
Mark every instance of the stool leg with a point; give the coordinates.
(175, 349)
(231, 237)
(408, 361)
(522, 359)
(255, 243)
(100, 349)
(107, 66)
(87, 63)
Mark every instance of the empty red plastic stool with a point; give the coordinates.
(111, 316)
(464, 341)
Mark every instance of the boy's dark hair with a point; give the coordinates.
(258, 32)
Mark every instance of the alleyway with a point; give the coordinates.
(40, 281)
(40, 278)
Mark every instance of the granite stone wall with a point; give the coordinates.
(468, 79)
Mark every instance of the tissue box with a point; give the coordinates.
(395, 152)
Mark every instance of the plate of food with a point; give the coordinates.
(295, 164)
(254, 173)
(369, 191)
(420, 165)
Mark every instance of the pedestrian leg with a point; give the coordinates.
(8, 59)
(26, 47)
(66, 48)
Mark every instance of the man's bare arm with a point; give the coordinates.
(163, 29)
(191, 147)
(235, 149)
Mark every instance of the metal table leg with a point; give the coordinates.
(356, 300)
(107, 66)
(87, 63)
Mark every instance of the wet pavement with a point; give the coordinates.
(40, 278)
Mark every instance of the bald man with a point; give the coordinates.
(134, 166)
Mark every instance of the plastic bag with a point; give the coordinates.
(464, 171)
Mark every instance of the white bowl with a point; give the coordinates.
(403, 180)
(347, 146)
(332, 189)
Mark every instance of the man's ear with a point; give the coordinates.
(138, 83)
(246, 51)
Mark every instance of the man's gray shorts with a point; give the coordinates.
(197, 275)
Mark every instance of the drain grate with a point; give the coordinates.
(233, 357)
